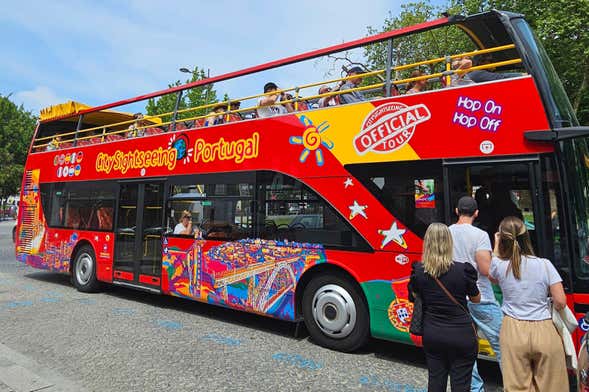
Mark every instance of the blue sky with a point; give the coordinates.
(99, 52)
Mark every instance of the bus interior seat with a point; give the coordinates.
(104, 215)
(72, 218)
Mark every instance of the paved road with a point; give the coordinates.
(53, 338)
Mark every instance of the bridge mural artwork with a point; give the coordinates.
(254, 275)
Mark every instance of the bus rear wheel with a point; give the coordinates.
(84, 270)
(335, 313)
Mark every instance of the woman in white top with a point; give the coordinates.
(532, 354)
(185, 225)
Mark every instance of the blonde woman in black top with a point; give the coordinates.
(449, 339)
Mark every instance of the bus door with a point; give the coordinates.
(501, 188)
(140, 225)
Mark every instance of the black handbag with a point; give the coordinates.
(416, 326)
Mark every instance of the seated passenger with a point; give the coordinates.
(301, 104)
(487, 75)
(184, 227)
(234, 116)
(331, 100)
(394, 90)
(217, 116)
(354, 96)
(416, 86)
(461, 78)
(268, 104)
(135, 129)
(53, 144)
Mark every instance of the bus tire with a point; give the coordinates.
(84, 270)
(335, 313)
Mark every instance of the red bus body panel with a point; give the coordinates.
(484, 120)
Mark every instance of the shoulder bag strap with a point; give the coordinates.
(457, 303)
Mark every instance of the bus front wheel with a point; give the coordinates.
(335, 313)
(84, 270)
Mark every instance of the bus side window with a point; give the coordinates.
(411, 191)
(288, 209)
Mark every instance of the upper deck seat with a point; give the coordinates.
(65, 145)
(180, 126)
(112, 138)
(84, 142)
(233, 117)
(152, 131)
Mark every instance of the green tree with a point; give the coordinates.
(16, 130)
(165, 104)
(563, 28)
(191, 98)
(417, 47)
(561, 25)
(199, 96)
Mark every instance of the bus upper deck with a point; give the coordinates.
(488, 34)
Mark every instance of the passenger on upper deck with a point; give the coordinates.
(461, 78)
(354, 96)
(216, 117)
(326, 101)
(487, 75)
(53, 144)
(135, 129)
(235, 105)
(416, 86)
(301, 104)
(268, 104)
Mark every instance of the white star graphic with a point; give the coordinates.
(357, 209)
(393, 234)
(348, 183)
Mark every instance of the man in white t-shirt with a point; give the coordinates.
(268, 104)
(472, 245)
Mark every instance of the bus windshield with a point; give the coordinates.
(558, 106)
(576, 152)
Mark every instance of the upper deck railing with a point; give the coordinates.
(381, 85)
(150, 125)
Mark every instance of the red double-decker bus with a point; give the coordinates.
(315, 214)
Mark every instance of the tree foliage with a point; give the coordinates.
(16, 130)
(561, 25)
(194, 97)
(417, 47)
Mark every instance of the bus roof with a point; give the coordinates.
(70, 110)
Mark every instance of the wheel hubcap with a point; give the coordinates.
(84, 268)
(334, 311)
